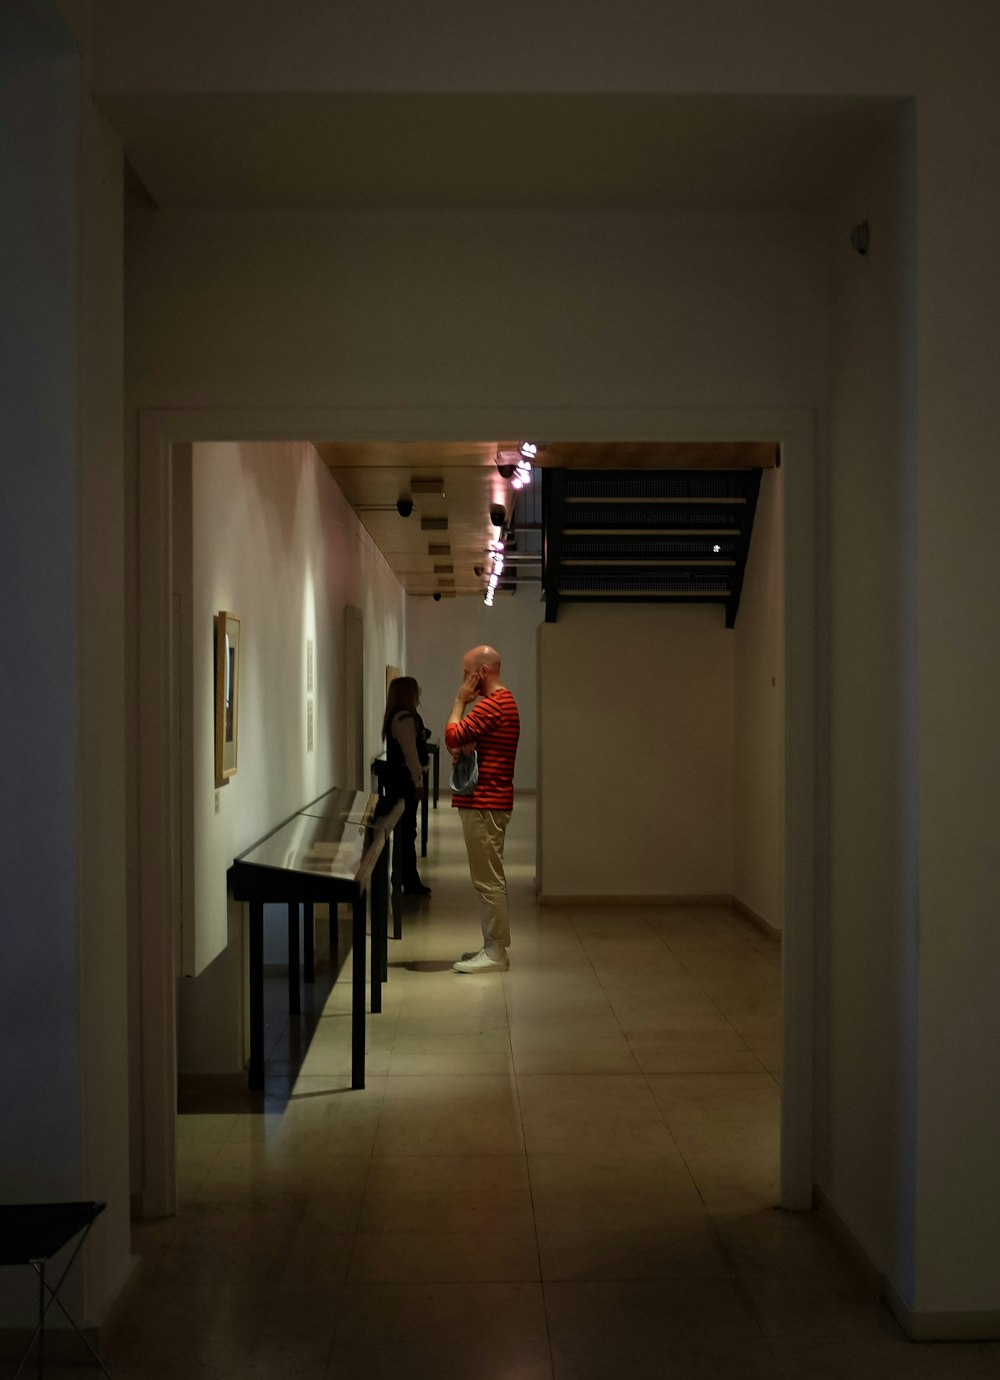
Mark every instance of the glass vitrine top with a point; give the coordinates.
(318, 846)
(329, 838)
(345, 804)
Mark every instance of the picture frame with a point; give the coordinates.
(227, 694)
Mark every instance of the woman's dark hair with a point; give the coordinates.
(403, 693)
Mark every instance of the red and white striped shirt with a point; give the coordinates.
(492, 728)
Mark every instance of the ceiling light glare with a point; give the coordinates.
(529, 450)
(716, 549)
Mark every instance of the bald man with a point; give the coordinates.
(492, 727)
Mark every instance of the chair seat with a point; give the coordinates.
(36, 1231)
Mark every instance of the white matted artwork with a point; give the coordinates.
(227, 694)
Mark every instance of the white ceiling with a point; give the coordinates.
(480, 151)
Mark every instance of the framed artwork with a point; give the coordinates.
(227, 694)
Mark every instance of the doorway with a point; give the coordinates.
(157, 654)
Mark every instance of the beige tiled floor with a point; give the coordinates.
(566, 1171)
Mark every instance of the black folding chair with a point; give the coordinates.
(31, 1234)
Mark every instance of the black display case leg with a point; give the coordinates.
(396, 883)
(358, 995)
(256, 937)
(294, 994)
(376, 955)
(380, 879)
(308, 942)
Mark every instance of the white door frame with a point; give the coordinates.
(158, 846)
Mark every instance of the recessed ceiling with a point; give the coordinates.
(494, 150)
(453, 485)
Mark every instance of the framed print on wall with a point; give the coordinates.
(227, 694)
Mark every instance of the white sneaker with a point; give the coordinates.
(481, 962)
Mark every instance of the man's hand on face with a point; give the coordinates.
(469, 688)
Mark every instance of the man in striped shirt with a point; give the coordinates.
(491, 727)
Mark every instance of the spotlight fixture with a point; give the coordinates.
(515, 465)
(404, 505)
(498, 514)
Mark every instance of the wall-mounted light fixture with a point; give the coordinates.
(496, 550)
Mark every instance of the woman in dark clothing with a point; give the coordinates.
(406, 754)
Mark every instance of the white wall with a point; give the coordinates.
(368, 318)
(952, 785)
(759, 747)
(867, 941)
(63, 1077)
(439, 634)
(102, 762)
(636, 720)
(846, 45)
(274, 541)
(374, 310)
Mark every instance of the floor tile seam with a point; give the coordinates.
(768, 1338)
(667, 1127)
(531, 1191)
(708, 997)
(742, 1038)
(364, 1191)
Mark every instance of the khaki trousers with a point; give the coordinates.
(484, 832)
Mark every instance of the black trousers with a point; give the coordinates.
(408, 835)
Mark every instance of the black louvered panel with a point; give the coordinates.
(650, 486)
(671, 536)
(635, 517)
(641, 580)
(652, 548)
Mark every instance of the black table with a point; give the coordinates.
(31, 1234)
(333, 850)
